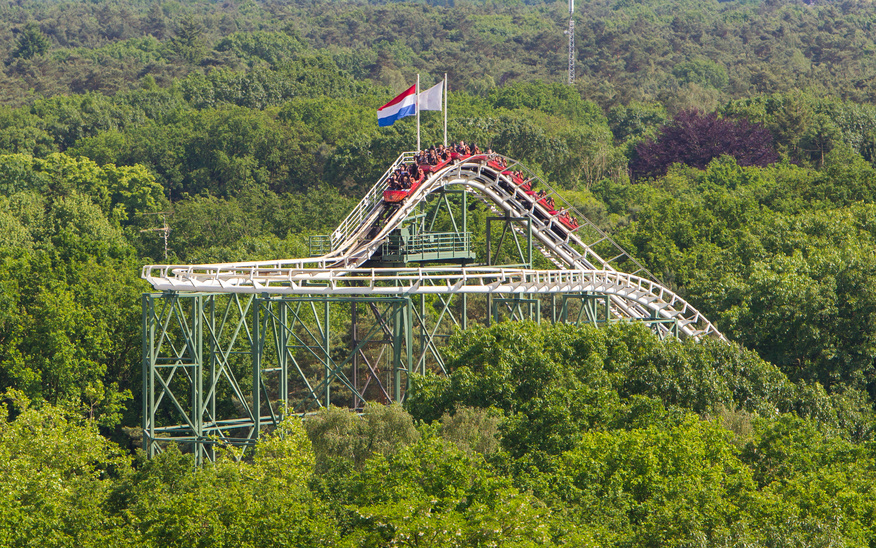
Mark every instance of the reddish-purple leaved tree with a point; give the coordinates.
(695, 139)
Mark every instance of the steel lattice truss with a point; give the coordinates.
(579, 253)
(229, 348)
(633, 293)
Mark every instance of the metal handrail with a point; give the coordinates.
(646, 293)
(319, 245)
(431, 242)
(629, 295)
(366, 205)
(582, 219)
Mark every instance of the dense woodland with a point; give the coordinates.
(729, 146)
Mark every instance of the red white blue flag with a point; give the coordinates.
(403, 105)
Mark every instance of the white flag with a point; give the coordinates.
(431, 98)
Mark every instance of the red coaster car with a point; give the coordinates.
(396, 196)
(569, 222)
(548, 205)
(429, 168)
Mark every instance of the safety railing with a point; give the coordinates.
(659, 301)
(363, 209)
(320, 245)
(433, 243)
(585, 223)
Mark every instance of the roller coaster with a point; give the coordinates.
(230, 348)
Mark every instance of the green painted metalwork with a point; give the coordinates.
(594, 309)
(404, 247)
(190, 360)
(219, 368)
(524, 258)
(518, 309)
(319, 245)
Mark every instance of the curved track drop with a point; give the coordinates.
(635, 295)
(230, 348)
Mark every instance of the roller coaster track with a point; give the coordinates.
(578, 255)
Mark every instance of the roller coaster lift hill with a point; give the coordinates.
(229, 349)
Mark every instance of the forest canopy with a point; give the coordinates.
(728, 146)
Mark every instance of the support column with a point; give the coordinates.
(196, 339)
(590, 309)
(211, 401)
(489, 263)
(423, 331)
(465, 233)
(407, 317)
(397, 338)
(402, 337)
(256, 367)
(283, 357)
(148, 408)
(327, 395)
(354, 343)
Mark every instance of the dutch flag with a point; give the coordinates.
(403, 105)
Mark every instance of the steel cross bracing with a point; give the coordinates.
(230, 348)
(646, 294)
(358, 238)
(218, 368)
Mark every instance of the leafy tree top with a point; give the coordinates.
(31, 42)
(695, 138)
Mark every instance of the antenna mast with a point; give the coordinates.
(165, 229)
(571, 33)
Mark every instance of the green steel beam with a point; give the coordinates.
(219, 368)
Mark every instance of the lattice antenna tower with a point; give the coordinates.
(164, 228)
(570, 32)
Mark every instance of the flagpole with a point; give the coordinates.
(418, 112)
(445, 109)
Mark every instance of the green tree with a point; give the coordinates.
(338, 434)
(635, 121)
(31, 42)
(171, 503)
(701, 71)
(188, 41)
(657, 486)
(268, 47)
(431, 494)
(56, 477)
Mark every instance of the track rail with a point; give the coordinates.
(579, 255)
